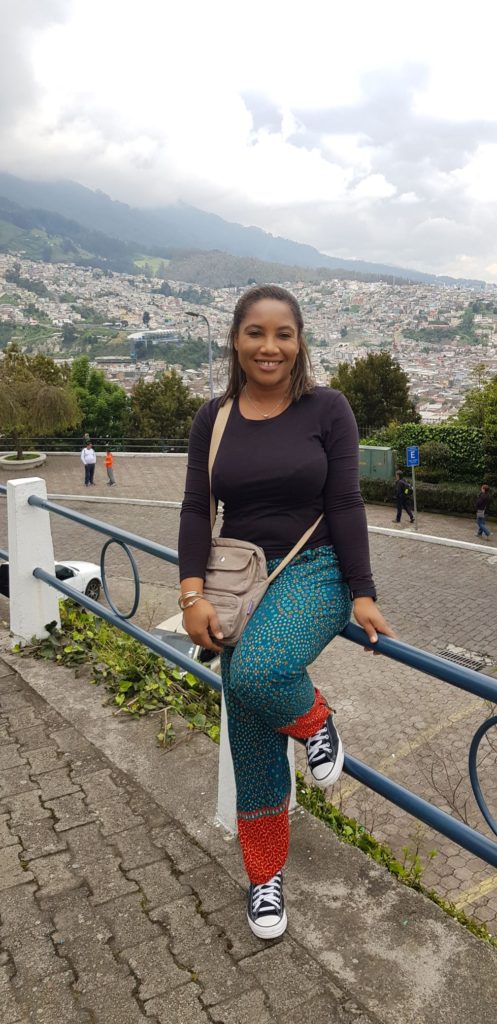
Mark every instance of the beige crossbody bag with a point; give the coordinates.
(236, 577)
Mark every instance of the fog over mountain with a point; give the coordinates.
(164, 230)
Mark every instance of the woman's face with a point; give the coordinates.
(268, 343)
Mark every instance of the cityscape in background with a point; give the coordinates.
(438, 334)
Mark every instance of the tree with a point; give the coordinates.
(377, 389)
(479, 409)
(35, 397)
(146, 319)
(104, 405)
(480, 400)
(162, 408)
(68, 334)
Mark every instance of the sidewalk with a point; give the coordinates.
(161, 478)
(121, 902)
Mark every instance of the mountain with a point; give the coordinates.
(181, 227)
(43, 235)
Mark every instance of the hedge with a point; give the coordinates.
(467, 446)
(449, 498)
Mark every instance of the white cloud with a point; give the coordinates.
(352, 128)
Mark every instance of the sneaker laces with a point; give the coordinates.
(319, 747)
(266, 897)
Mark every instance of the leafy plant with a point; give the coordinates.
(137, 680)
(465, 445)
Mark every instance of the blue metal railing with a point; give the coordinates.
(463, 678)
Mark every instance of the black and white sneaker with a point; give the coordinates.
(325, 754)
(266, 908)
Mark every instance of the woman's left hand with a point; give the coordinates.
(368, 615)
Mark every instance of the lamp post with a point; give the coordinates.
(201, 316)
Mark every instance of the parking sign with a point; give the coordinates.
(412, 455)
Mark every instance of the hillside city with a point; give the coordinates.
(437, 333)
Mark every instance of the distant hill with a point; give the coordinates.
(43, 235)
(162, 230)
(216, 269)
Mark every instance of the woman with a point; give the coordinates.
(289, 452)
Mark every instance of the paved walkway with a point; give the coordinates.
(120, 902)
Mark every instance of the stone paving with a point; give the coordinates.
(413, 728)
(109, 913)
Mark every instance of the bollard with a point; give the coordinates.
(32, 604)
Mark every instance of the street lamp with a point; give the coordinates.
(200, 316)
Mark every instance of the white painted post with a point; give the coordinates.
(226, 788)
(33, 604)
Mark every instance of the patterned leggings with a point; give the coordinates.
(269, 696)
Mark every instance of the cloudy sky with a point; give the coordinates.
(367, 129)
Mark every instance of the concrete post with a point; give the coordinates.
(33, 604)
(226, 788)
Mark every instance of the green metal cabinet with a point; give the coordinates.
(377, 462)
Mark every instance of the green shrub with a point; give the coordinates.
(450, 498)
(466, 458)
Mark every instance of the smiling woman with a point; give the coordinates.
(286, 470)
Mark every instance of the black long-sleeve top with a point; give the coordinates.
(483, 501)
(275, 477)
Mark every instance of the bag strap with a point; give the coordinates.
(217, 433)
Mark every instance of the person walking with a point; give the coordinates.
(290, 452)
(482, 504)
(109, 462)
(89, 458)
(403, 491)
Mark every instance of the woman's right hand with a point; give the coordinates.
(202, 625)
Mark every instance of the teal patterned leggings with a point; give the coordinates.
(269, 695)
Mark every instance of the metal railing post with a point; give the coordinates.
(32, 604)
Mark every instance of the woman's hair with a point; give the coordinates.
(301, 380)
(485, 487)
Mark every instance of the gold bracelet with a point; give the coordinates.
(188, 593)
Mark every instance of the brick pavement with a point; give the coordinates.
(412, 727)
(110, 913)
(120, 902)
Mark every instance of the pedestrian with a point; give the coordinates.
(109, 462)
(482, 504)
(89, 458)
(403, 492)
(289, 452)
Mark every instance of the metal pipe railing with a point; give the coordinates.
(124, 536)
(152, 642)
(431, 664)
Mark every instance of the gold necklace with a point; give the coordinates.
(265, 415)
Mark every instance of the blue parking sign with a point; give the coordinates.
(412, 455)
